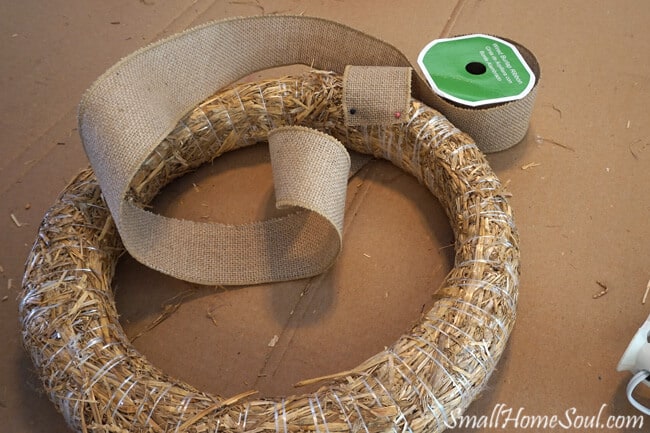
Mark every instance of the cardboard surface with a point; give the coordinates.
(582, 213)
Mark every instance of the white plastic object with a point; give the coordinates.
(637, 360)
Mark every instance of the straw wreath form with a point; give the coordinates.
(421, 383)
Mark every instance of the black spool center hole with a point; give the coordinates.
(475, 68)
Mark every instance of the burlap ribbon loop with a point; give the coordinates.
(310, 173)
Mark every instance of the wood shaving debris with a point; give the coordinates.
(274, 341)
(450, 245)
(530, 165)
(212, 318)
(15, 220)
(366, 255)
(539, 139)
(563, 146)
(196, 187)
(602, 292)
(167, 311)
(632, 152)
(2, 269)
(557, 109)
(169, 308)
(628, 124)
(255, 4)
(10, 283)
(645, 295)
(4, 298)
(28, 206)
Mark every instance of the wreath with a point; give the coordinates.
(421, 383)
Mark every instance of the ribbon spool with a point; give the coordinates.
(484, 84)
(141, 128)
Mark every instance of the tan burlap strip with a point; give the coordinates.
(130, 109)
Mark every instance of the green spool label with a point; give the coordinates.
(476, 70)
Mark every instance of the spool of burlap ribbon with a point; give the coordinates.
(130, 109)
(495, 126)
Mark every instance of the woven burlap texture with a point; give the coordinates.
(317, 182)
(376, 95)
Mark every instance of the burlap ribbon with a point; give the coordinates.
(130, 109)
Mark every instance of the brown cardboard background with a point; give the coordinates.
(582, 214)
